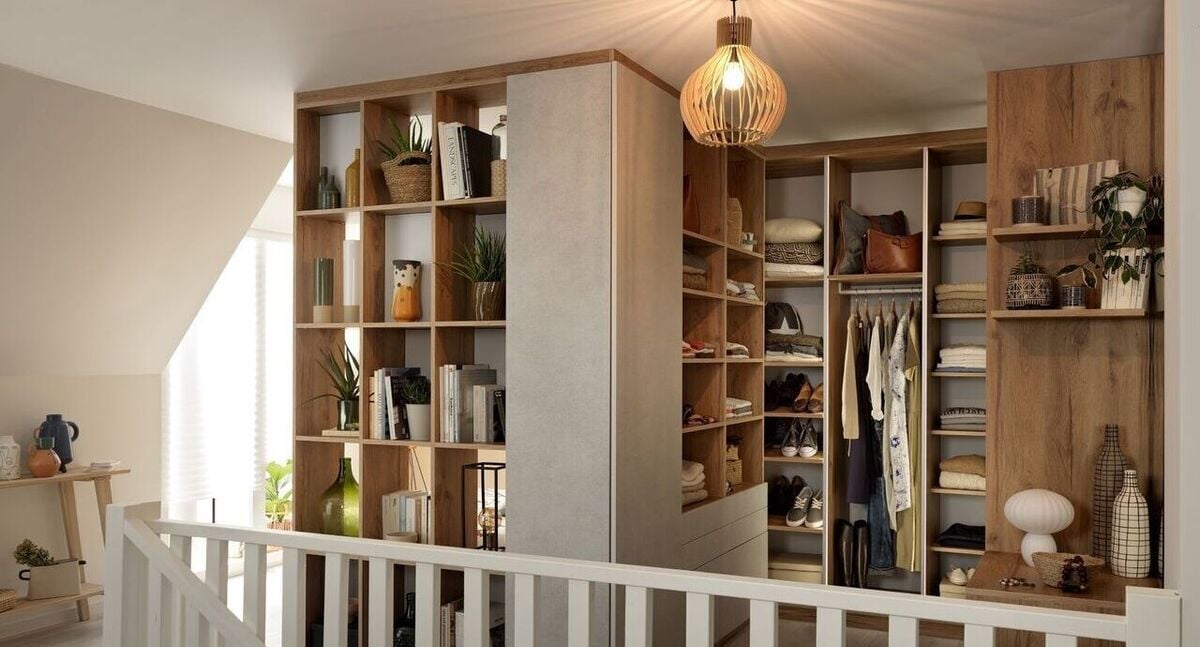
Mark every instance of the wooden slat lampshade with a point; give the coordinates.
(734, 99)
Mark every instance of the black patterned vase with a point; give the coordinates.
(1107, 478)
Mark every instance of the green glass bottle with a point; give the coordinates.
(339, 504)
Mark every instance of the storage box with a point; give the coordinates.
(54, 581)
(795, 567)
(949, 590)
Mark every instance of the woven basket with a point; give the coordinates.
(407, 182)
(733, 472)
(8, 600)
(733, 222)
(1049, 566)
(499, 178)
(1029, 291)
(795, 253)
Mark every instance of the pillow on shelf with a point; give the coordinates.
(852, 235)
(792, 230)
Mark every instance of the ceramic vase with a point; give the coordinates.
(1107, 477)
(351, 280)
(1029, 291)
(64, 432)
(351, 182)
(418, 421)
(347, 415)
(487, 301)
(43, 462)
(1029, 211)
(322, 290)
(10, 459)
(1129, 546)
(1131, 200)
(406, 295)
(339, 504)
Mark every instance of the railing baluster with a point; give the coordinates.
(216, 576)
(639, 611)
(155, 627)
(254, 589)
(579, 613)
(476, 608)
(831, 627)
(191, 633)
(903, 632)
(295, 582)
(699, 620)
(979, 636)
(1055, 640)
(764, 623)
(429, 605)
(382, 593)
(337, 594)
(181, 548)
(525, 592)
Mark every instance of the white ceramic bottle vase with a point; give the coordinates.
(1129, 546)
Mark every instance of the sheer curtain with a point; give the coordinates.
(227, 397)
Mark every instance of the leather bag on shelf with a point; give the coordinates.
(891, 254)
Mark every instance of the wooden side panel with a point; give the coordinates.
(1053, 385)
(837, 308)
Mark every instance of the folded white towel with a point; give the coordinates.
(792, 270)
(693, 488)
(694, 497)
(692, 470)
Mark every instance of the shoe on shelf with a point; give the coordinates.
(797, 485)
(815, 518)
(957, 576)
(843, 548)
(800, 403)
(970, 574)
(808, 441)
(795, 517)
(779, 499)
(816, 402)
(791, 442)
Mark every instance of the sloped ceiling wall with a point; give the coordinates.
(115, 220)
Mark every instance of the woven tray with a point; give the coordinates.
(8, 600)
(1049, 566)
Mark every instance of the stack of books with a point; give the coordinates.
(465, 156)
(388, 421)
(471, 404)
(407, 512)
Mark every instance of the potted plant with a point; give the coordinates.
(279, 495)
(1124, 208)
(416, 394)
(342, 370)
(406, 166)
(1029, 287)
(483, 265)
(47, 577)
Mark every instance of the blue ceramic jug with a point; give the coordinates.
(63, 432)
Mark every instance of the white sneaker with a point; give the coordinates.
(808, 441)
(791, 442)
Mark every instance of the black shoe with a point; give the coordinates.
(844, 560)
(778, 498)
(862, 552)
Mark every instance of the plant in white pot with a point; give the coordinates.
(483, 265)
(47, 577)
(416, 394)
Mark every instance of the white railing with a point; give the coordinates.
(153, 598)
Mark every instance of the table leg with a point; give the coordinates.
(66, 497)
(103, 500)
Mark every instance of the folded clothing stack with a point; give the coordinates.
(693, 482)
(789, 271)
(734, 349)
(737, 407)
(793, 347)
(697, 348)
(964, 418)
(961, 535)
(960, 297)
(968, 358)
(794, 248)
(695, 271)
(965, 472)
(963, 228)
(743, 289)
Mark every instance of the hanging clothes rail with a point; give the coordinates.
(844, 291)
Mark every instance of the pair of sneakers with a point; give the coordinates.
(801, 440)
(806, 509)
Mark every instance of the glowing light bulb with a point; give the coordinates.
(734, 76)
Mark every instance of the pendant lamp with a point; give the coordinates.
(734, 99)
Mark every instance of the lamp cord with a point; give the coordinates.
(733, 34)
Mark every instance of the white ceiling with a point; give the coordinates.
(852, 67)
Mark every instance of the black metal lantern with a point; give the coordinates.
(490, 511)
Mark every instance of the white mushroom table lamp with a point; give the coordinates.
(1040, 513)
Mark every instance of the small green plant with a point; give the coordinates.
(413, 142)
(1115, 228)
(278, 490)
(1026, 264)
(415, 390)
(342, 370)
(484, 260)
(31, 555)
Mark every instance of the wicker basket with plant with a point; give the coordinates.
(1029, 286)
(406, 166)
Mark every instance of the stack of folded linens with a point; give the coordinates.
(794, 249)
(737, 407)
(964, 419)
(961, 535)
(695, 271)
(966, 358)
(965, 472)
(696, 348)
(960, 297)
(693, 482)
(743, 289)
(734, 349)
(963, 228)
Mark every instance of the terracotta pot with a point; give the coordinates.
(43, 462)
(487, 301)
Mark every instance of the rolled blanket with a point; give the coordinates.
(961, 306)
(960, 481)
(964, 464)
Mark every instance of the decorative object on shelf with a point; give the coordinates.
(406, 295)
(278, 495)
(892, 254)
(499, 165)
(1129, 547)
(483, 265)
(328, 196)
(852, 229)
(1072, 297)
(351, 280)
(971, 211)
(748, 241)
(406, 515)
(42, 461)
(8, 600)
(342, 370)
(339, 503)
(322, 290)
(1029, 211)
(490, 515)
(1052, 567)
(1040, 513)
(64, 432)
(406, 630)
(1029, 287)
(1108, 476)
(733, 221)
(1066, 190)
(406, 166)
(47, 577)
(733, 461)
(416, 394)
(691, 208)
(353, 180)
(734, 98)
(10, 459)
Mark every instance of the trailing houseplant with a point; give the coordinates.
(406, 162)
(416, 394)
(1029, 286)
(278, 486)
(47, 577)
(482, 263)
(1125, 208)
(342, 369)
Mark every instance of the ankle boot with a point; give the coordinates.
(862, 552)
(844, 546)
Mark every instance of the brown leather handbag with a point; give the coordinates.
(890, 254)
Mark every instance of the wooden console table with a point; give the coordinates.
(1106, 594)
(102, 481)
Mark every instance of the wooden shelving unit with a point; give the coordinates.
(1011, 234)
(1090, 313)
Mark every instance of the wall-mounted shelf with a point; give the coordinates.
(814, 282)
(962, 433)
(878, 279)
(777, 524)
(406, 209)
(1091, 313)
(1043, 232)
(959, 315)
(955, 551)
(958, 241)
(958, 375)
(773, 456)
(953, 492)
(787, 413)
